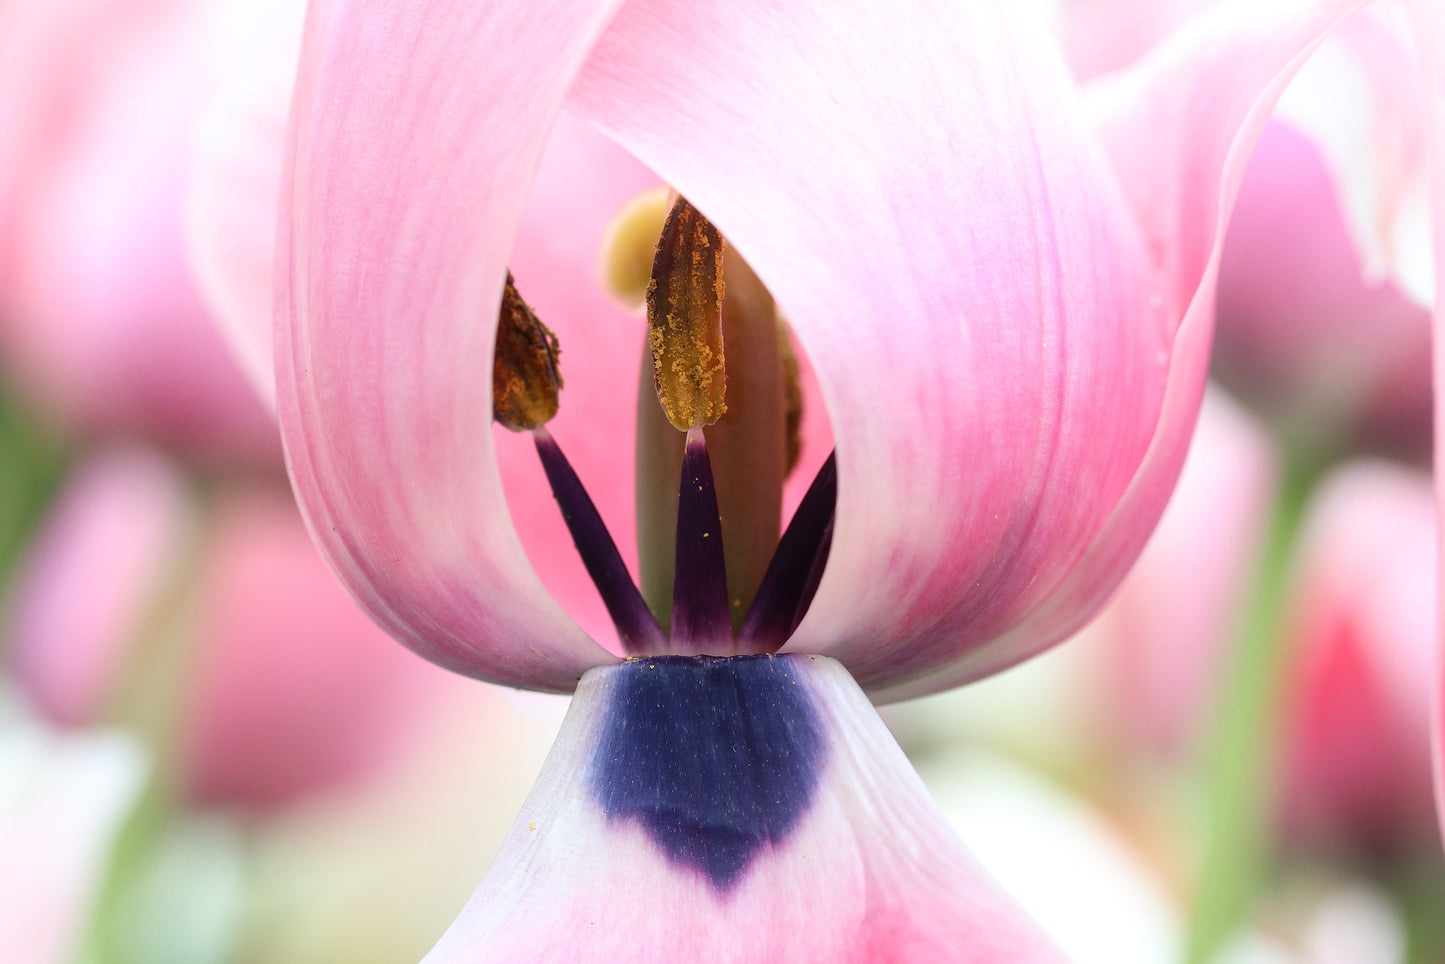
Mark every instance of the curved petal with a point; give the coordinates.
(966, 278)
(841, 856)
(113, 541)
(100, 319)
(1178, 128)
(388, 278)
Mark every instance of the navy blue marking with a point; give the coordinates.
(715, 757)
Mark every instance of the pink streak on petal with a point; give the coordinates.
(965, 276)
(1300, 328)
(872, 873)
(583, 181)
(388, 277)
(62, 804)
(100, 318)
(1358, 705)
(93, 573)
(1173, 622)
(235, 185)
(293, 690)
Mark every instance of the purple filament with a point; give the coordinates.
(636, 626)
(797, 565)
(701, 622)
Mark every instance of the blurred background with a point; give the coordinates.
(208, 755)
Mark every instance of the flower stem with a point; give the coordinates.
(1242, 753)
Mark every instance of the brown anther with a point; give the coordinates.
(684, 319)
(525, 377)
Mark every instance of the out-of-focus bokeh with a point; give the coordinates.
(209, 756)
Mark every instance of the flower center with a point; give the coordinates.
(713, 566)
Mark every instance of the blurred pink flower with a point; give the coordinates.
(99, 320)
(287, 689)
(1364, 624)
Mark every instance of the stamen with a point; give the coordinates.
(636, 626)
(700, 620)
(525, 378)
(684, 319)
(797, 565)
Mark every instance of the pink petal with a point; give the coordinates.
(90, 581)
(381, 356)
(292, 690)
(63, 800)
(1358, 704)
(582, 182)
(870, 872)
(1178, 128)
(964, 274)
(1172, 625)
(99, 316)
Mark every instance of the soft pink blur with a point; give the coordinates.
(287, 688)
(1364, 624)
(99, 321)
(1170, 630)
(94, 571)
(293, 689)
(1301, 330)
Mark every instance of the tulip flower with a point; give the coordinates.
(1357, 708)
(1007, 301)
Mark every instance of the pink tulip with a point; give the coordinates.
(1008, 309)
(99, 320)
(289, 690)
(1365, 620)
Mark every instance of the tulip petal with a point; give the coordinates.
(1179, 127)
(820, 845)
(964, 273)
(381, 357)
(113, 541)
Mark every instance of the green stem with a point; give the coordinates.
(1242, 752)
